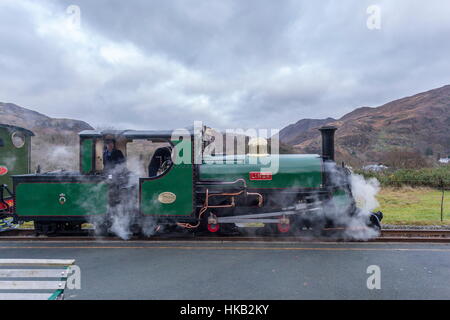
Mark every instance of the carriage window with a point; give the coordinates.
(18, 139)
(2, 144)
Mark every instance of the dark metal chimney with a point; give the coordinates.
(328, 142)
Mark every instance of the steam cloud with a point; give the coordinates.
(364, 192)
(123, 218)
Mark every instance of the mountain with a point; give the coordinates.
(15, 115)
(296, 132)
(419, 123)
(56, 143)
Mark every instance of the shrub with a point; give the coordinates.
(426, 177)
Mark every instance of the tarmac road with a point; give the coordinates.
(215, 270)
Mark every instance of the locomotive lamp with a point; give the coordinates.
(257, 147)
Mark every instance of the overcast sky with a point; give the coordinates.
(143, 64)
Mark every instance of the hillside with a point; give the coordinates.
(294, 133)
(55, 145)
(420, 122)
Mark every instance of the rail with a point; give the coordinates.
(387, 235)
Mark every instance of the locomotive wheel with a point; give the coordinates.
(213, 227)
(102, 229)
(45, 228)
(68, 227)
(135, 229)
(283, 227)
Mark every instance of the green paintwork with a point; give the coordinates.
(178, 181)
(58, 292)
(87, 154)
(16, 160)
(302, 171)
(342, 200)
(43, 198)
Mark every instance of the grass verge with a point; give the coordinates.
(413, 206)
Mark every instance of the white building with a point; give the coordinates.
(375, 167)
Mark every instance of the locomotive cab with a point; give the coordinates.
(164, 186)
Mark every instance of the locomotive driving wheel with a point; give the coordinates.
(284, 225)
(213, 225)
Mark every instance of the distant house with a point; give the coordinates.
(444, 160)
(375, 167)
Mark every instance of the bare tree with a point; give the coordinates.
(404, 159)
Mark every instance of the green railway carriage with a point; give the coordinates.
(53, 195)
(181, 186)
(15, 150)
(15, 147)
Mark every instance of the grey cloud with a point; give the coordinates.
(160, 64)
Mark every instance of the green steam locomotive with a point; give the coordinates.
(182, 186)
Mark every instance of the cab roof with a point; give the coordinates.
(162, 135)
(15, 128)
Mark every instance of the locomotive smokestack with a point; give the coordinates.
(328, 142)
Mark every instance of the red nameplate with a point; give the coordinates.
(261, 176)
(3, 170)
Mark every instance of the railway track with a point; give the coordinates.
(390, 235)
